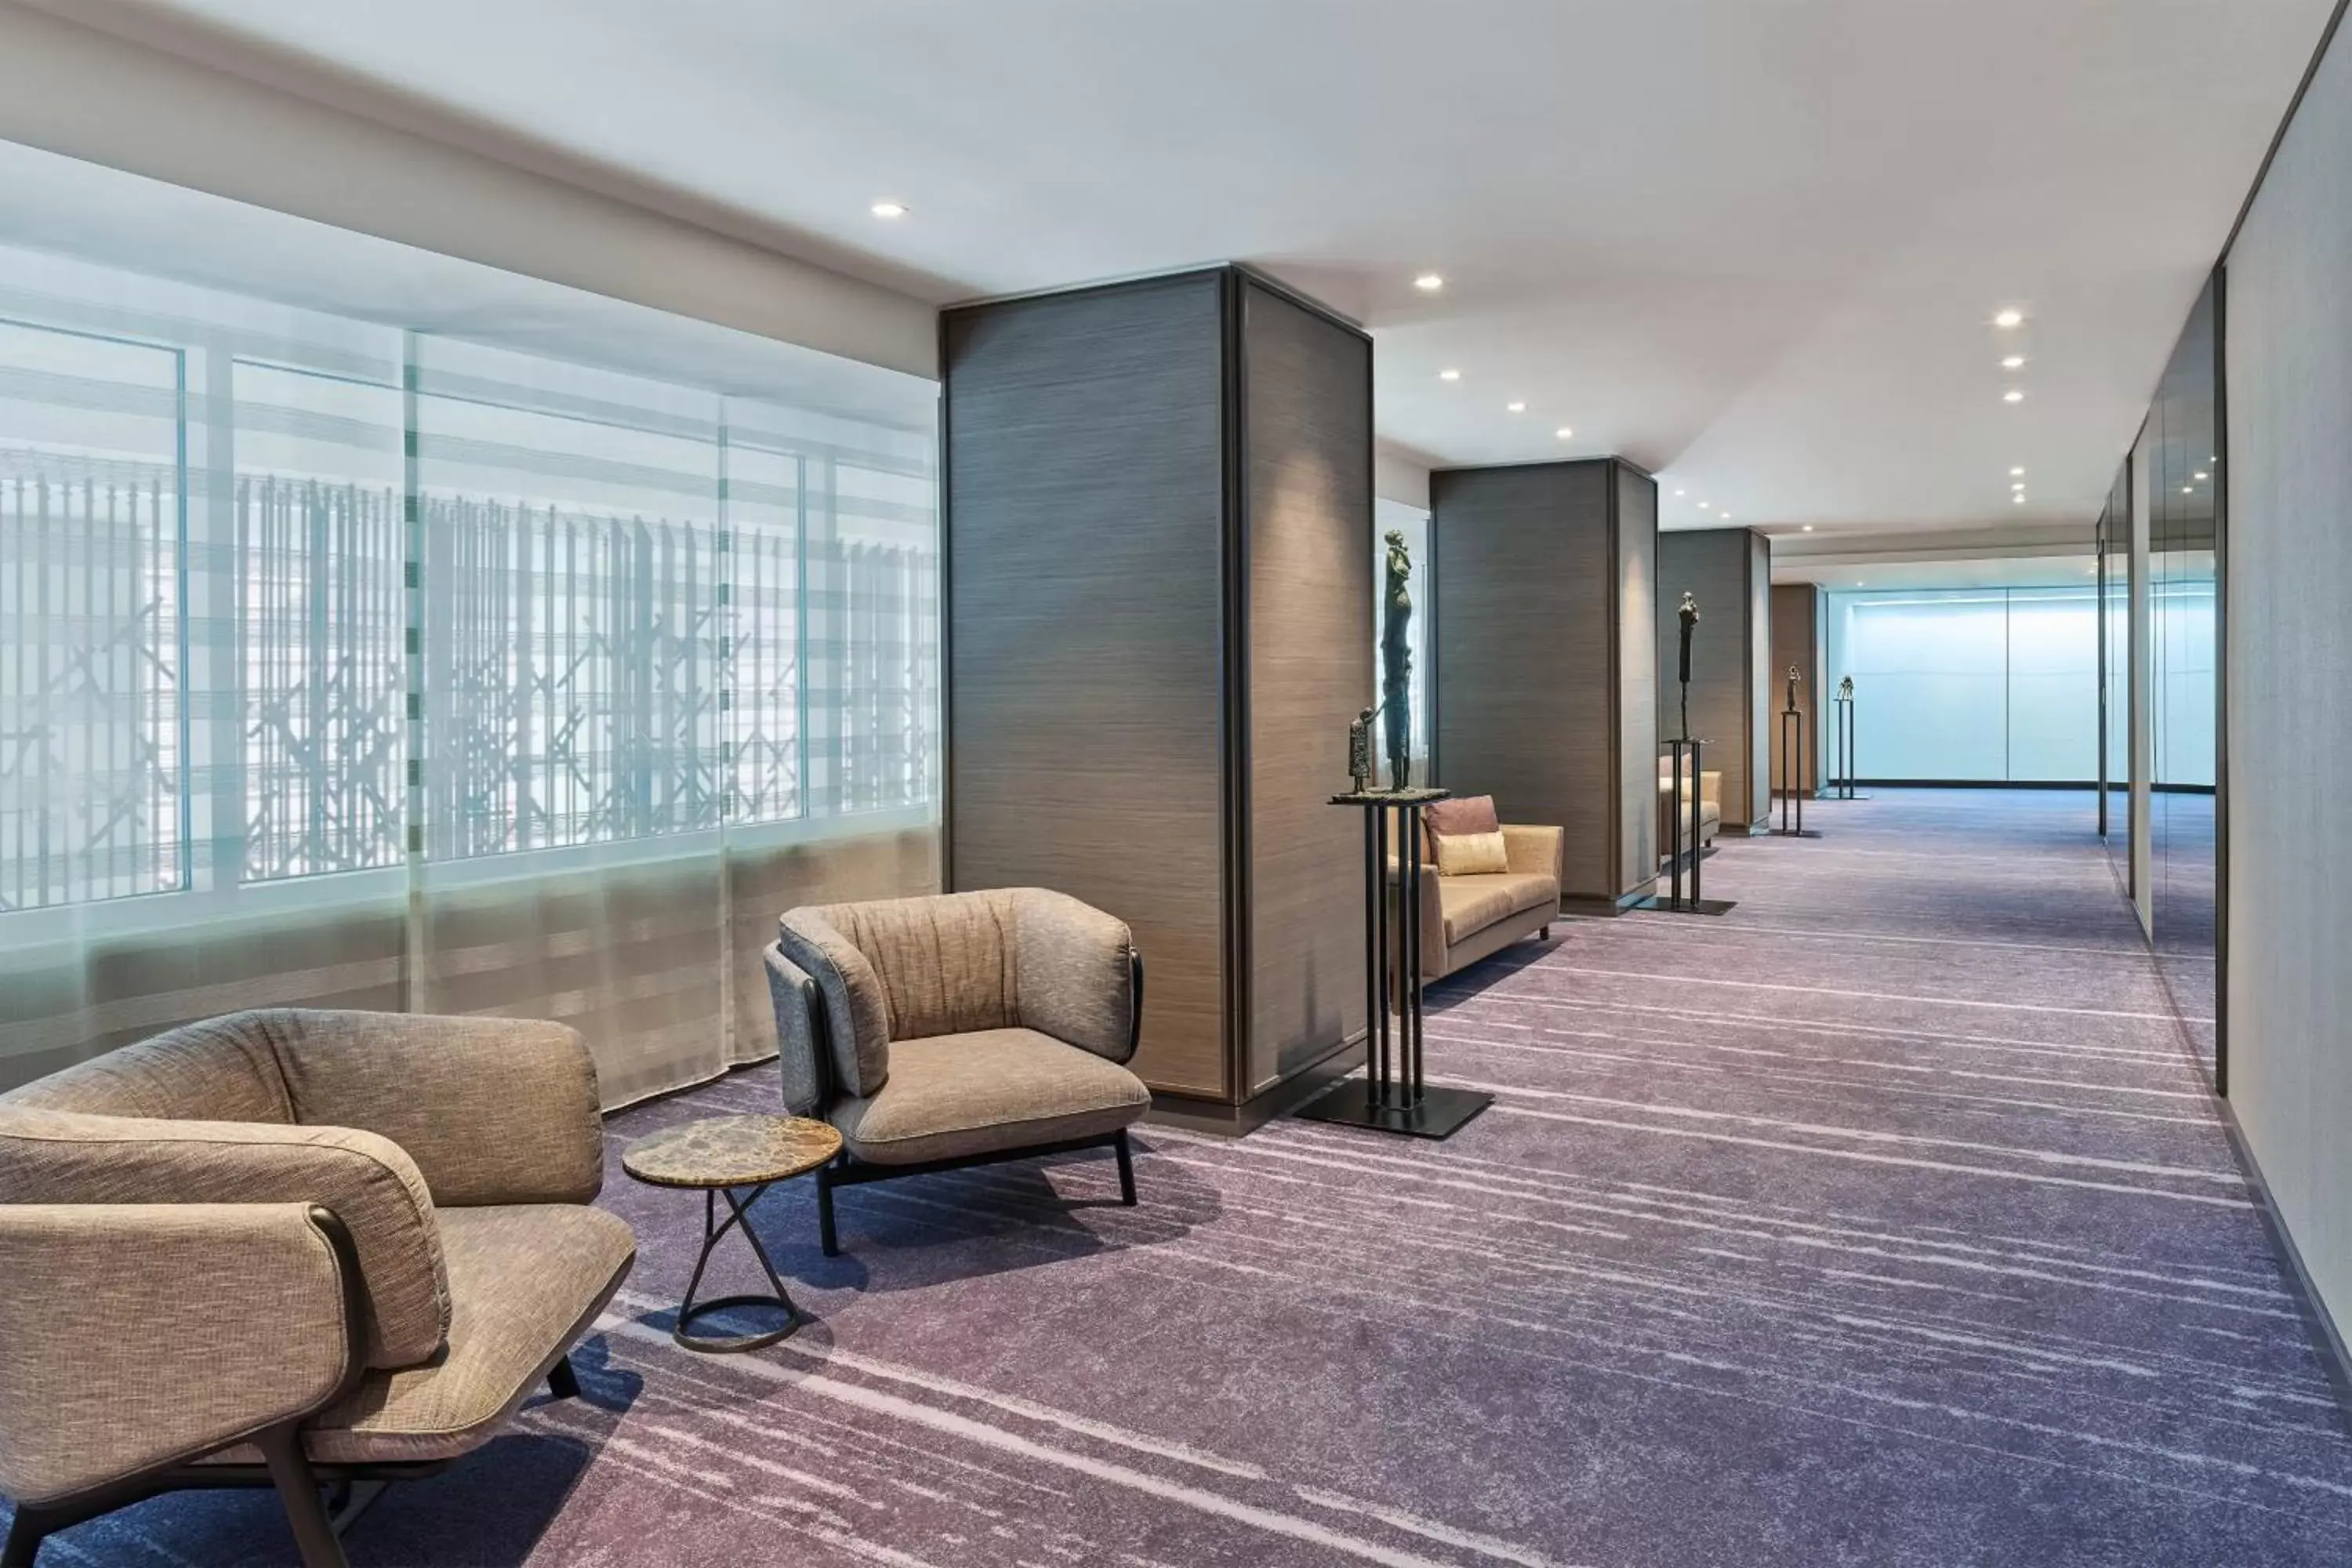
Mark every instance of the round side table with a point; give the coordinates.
(722, 1156)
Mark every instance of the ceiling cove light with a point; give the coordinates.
(890, 209)
(1449, 375)
(2008, 318)
(1565, 434)
(1429, 282)
(2012, 395)
(1515, 408)
(2014, 361)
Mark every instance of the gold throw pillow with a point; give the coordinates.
(1472, 853)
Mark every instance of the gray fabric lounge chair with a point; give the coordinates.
(292, 1247)
(957, 1030)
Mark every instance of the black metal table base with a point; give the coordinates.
(1791, 793)
(1393, 1097)
(689, 1309)
(1439, 1113)
(1841, 783)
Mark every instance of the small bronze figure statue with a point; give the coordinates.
(1689, 614)
(1396, 662)
(1360, 752)
(1845, 689)
(1794, 678)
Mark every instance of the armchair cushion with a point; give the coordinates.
(944, 962)
(134, 1335)
(65, 1157)
(525, 1281)
(954, 1095)
(492, 1110)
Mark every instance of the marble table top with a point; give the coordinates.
(731, 1152)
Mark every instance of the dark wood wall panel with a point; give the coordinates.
(1085, 482)
(1730, 570)
(1796, 640)
(1306, 398)
(1636, 598)
(1523, 630)
(1761, 737)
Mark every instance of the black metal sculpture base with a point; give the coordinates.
(1393, 1097)
(1690, 802)
(1439, 1113)
(689, 1309)
(1792, 791)
(1841, 783)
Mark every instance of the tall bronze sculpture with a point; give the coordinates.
(1794, 678)
(1689, 614)
(1396, 662)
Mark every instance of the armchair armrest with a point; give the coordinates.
(492, 1110)
(1534, 849)
(1075, 972)
(802, 1051)
(134, 1336)
(56, 1157)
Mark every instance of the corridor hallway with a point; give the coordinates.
(1883, 1222)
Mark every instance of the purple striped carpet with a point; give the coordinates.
(1886, 1221)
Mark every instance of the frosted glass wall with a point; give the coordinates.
(1980, 686)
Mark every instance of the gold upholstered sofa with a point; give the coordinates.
(288, 1247)
(958, 1029)
(1469, 914)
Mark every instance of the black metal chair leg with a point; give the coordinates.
(1125, 1170)
(27, 1531)
(562, 1381)
(826, 1236)
(298, 1490)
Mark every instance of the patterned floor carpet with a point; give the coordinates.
(1885, 1221)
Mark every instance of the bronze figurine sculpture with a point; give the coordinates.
(1396, 662)
(1845, 689)
(1689, 614)
(1359, 753)
(1794, 678)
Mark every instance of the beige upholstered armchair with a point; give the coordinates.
(294, 1246)
(956, 1030)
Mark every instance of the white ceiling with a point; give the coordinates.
(1754, 244)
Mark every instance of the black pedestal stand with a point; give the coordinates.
(1690, 800)
(1393, 1099)
(1841, 782)
(1793, 776)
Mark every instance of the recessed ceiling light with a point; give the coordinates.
(1515, 408)
(1702, 506)
(2014, 361)
(2018, 500)
(2017, 473)
(1449, 375)
(1564, 433)
(1429, 282)
(2189, 490)
(2009, 318)
(1680, 492)
(1808, 528)
(2201, 474)
(890, 209)
(2012, 395)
